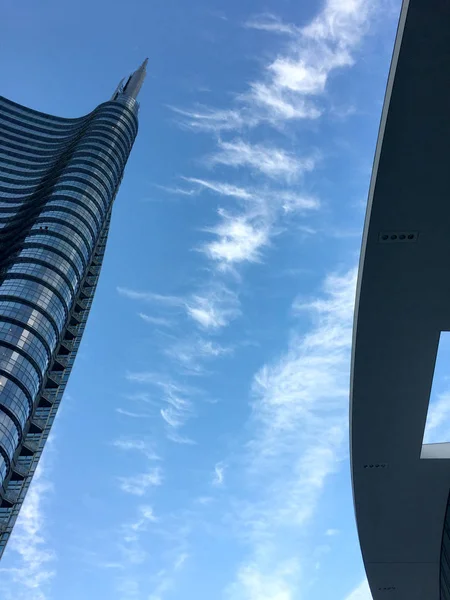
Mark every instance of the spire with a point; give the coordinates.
(134, 83)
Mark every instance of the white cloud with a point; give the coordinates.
(204, 500)
(292, 83)
(155, 320)
(362, 592)
(272, 23)
(191, 354)
(271, 161)
(149, 296)
(128, 589)
(133, 415)
(173, 436)
(300, 403)
(221, 188)
(437, 426)
(172, 417)
(166, 577)
(208, 119)
(180, 560)
(296, 76)
(240, 238)
(288, 200)
(302, 71)
(178, 407)
(130, 546)
(177, 190)
(154, 548)
(138, 485)
(212, 349)
(30, 580)
(295, 202)
(133, 553)
(142, 376)
(212, 307)
(146, 516)
(141, 396)
(341, 22)
(139, 445)
(277, 107)
(219, 474)
(332, 532)
(274, 583)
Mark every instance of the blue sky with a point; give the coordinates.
(201, 450)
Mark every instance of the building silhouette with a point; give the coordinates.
(58, 181)
(401, 481)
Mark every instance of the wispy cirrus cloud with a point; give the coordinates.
(242, 234)
(437, 426)
(155, 320)
(146, 516)
(30, 580)
(219, 474)
(174, 400)
(138, 484)
(145, 447)
(138, 538)
(361, 592)
(213, 307)
(299, 424)
(271, 161)
(254, 584)
(177, 190)
(295, 202)
(149, 296)
(167, 577)
(142, 376)
(239, 238)
(221, 188)
(180, 407)
(301, 72)
(128, 588)
(192, 353)
(175, 437)
(203, 118)
(146, 574)
(132, 414)
(289, 200)
(130, 545)
(272, 23)
(291, 84)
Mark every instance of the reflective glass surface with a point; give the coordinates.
(58, 178)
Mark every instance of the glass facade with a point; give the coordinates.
(58, 181)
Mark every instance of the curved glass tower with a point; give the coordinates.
(58, 181)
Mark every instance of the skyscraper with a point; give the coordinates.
(58, 181)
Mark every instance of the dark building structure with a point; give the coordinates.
(401, 485)
(58, 181)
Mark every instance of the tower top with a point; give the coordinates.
(133, 84)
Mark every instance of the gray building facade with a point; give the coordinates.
(58, 181)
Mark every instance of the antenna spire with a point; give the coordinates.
(133, 84)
